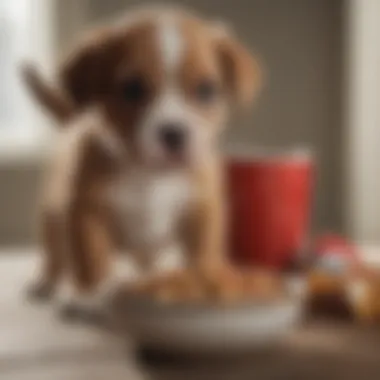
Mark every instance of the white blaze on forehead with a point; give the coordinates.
(171, 43)
(171, 105)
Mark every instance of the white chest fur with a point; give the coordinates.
(150, 206)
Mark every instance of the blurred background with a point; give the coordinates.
(322, 65)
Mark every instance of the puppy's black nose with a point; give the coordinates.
(173, 137)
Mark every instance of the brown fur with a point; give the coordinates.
(93, 77)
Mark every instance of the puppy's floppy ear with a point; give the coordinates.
(85, 74)
(241, 71)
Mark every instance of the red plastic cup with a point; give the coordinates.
(269, 206)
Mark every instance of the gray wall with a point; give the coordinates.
(300, 44)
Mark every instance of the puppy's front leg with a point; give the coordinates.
(206, 244)
(91, 248)
(88, 227)
(53, 256)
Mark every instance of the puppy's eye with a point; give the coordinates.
(206, 91)
(134, 90)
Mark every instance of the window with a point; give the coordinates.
(13, 32)
(23, 26)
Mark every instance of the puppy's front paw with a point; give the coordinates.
(89, 307)
(84, 308)
(40, 290)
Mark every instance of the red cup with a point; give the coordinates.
(269, 207)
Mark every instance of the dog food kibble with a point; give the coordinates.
(231, 285)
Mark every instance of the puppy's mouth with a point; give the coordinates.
(175, 158)
(158, 156)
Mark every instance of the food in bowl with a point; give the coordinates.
(231, 285)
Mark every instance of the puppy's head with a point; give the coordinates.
(165, 80)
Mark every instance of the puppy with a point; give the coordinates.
(143, 103)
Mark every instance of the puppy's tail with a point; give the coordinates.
(52, 99)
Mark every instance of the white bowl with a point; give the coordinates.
(200, 329)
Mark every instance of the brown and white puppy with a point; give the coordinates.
(138, 164)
